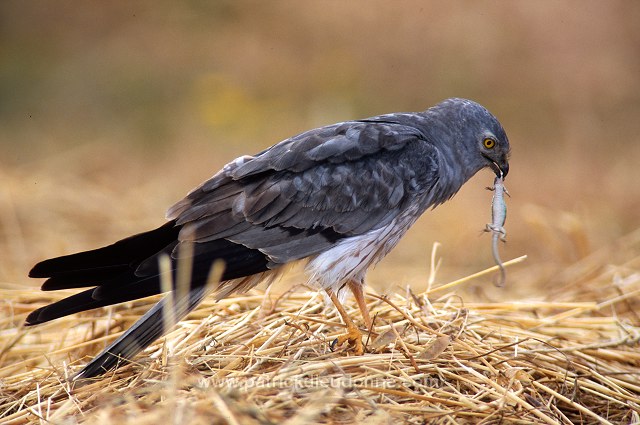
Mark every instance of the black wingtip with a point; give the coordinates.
(99, 366)
(33, 318)
(121, 253)
(39, 270)
(147, 329)
(73, 304)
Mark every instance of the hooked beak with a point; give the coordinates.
(501, 169)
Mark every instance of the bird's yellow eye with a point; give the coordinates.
(489, 143)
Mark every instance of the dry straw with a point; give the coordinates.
(266, 359)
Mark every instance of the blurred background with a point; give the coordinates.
(112, 111)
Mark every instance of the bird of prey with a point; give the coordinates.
(339, 196)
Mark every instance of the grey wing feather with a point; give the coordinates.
(146, 330)
(301, 195)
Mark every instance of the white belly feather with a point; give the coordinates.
(350, 258)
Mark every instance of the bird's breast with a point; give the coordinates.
(350, 258)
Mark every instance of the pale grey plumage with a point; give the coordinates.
(345, 179)
(340, 195)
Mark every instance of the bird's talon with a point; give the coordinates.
(333, 344)
(353, 337)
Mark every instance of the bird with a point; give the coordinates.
(339, 196)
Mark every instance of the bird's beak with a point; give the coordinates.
(501, 169)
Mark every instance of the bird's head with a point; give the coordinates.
(478, 135)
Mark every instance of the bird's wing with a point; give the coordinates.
(300, 196)
(158, 320)
(290, 201)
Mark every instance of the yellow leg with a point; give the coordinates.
(353, 335)
(356, 288)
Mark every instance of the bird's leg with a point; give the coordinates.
(353, 335)
(356, 288)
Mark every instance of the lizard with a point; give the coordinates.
(496, 227)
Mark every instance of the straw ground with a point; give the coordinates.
(265, 358)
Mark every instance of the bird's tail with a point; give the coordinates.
(110, 271)
(108, 264)
(161, 318)
(130, 269)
